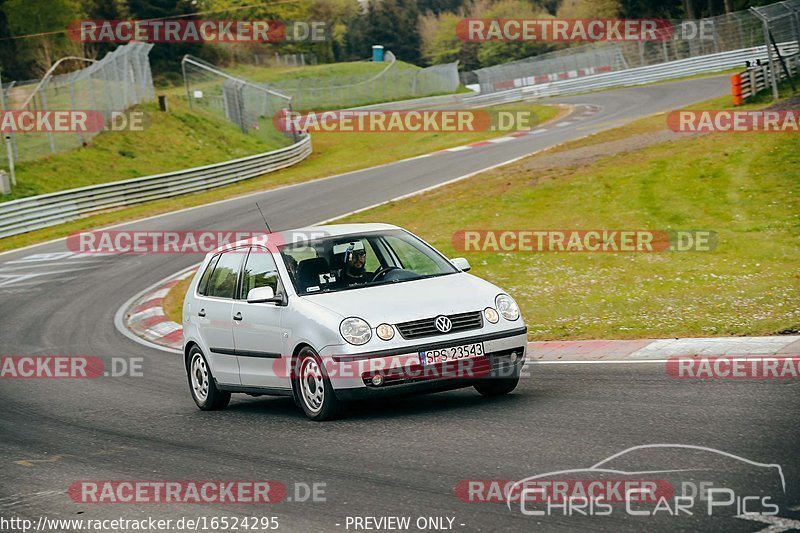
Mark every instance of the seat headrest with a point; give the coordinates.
(309, 270)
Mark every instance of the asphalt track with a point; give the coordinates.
(394, 458)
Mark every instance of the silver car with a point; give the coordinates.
(331, 314)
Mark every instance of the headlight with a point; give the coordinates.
(355, 331)
(385, 332)
(507, 307)
(491, 315)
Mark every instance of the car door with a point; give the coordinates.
(257, 332)
(214, 314)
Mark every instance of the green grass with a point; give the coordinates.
(173, 302)
(171, 141)
(743, 186)
(333, 153)
(359, 69)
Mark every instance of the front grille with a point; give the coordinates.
(426, 327)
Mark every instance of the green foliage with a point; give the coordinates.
(28, 17)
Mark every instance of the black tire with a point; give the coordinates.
(497, 386)
(314, 390)
(214, 398)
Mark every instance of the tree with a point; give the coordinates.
(587, 9)
(166, 56)
(494, 52)
(30, 17)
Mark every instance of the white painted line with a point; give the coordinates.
(458, 148)
(501, 139)
(594, 362)
(564, 124)
(147, 313)
(4, 268)
(641, 361)
(161, 293)
(186, 274)
(43, 257)
(162, 329)
(540, 130)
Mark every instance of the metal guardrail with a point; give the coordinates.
(755, 79)
(636, 76)
(28, 214)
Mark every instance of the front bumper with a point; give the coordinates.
(403, 373)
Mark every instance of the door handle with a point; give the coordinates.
(202, 313)
(237, 317)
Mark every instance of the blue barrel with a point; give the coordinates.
(377, 53)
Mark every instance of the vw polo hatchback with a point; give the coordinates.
(332, 314)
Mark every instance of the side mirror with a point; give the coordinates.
(461, 264)
(261, 295)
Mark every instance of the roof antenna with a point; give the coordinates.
(263, 217)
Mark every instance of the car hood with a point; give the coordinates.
(411, 300)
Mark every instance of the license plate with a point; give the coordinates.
(455, 353)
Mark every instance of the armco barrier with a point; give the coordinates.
(28, 214)
(748, 83)
(635, 76)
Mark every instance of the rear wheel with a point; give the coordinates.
(497, 386)
(202, 385)
(314, 388)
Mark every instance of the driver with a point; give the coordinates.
(353, 272)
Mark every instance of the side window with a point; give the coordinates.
(203, 283)
(259, 271)
(223, 281)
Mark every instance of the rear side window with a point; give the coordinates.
(223, 280)
(203, 283)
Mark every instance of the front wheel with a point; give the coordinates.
(202, 385)
(314, 388)
(497, 386)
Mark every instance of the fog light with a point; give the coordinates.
(514, 357)
(377, 380)
(491, 315)
(385, 332)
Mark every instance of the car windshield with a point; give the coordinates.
(355, 261)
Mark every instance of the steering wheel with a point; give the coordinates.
(381, 272)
